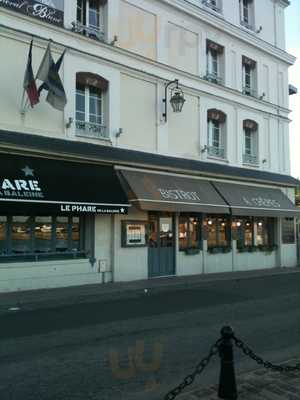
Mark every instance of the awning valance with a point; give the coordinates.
(40, 185)
(256, 201)
(159, 192)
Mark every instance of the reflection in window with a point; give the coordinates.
(258, 232)
(218, 232)
(166, 232)
(248, 226)
(75, 234)
(43, 234)
(261, 233)
(3, 228)
(62, 234)
(189, 232)
(21, 235)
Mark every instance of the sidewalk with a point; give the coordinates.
(261, 384)
(51, 298)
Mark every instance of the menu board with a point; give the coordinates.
(288, 231)
(134, 233)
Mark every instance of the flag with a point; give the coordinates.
(48, 73)
(29, 82)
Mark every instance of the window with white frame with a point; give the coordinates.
(250, 155)
(214, 68)
(215, 5)
(216, 133)
(247, 13)
(90, 18)
(90, 105)
(249, 76)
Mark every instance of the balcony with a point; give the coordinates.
(91, 130)
(248, 91)
(211, 5)
(213, 78)
(89, 31)
(250, 159)
(218, 152)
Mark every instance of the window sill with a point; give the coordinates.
(224, 160)
(218, 250)
(253, 165)
(42, 257)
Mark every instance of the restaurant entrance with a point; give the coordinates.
(161, 250)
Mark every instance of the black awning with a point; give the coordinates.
(158, 192)
(40, 185)
(257, 201)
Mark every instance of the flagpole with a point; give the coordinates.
(22, 108)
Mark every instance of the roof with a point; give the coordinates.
(54, 147)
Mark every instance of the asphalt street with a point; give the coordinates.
(141, 347)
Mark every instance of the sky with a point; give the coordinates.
(293, 46)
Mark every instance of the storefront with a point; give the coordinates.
(119, 215)
(48, 210)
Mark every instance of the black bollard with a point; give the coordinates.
(227, 384)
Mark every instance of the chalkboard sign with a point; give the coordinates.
(288, 231)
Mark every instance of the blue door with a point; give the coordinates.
(161, 249)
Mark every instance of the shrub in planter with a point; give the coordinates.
(192, 251)
(226, 249)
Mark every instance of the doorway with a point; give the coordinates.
(161, 245)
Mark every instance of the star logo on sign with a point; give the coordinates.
(28, 171)
(122, 210)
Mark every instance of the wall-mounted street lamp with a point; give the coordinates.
(177, 99)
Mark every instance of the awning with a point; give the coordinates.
(158, 192)
(39, 185)
(256, 201)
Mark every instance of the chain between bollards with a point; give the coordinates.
(227, 383)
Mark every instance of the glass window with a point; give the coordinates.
(3, 234)
(189, 232)
(75, 234)
(248, 141)
(288, 231)
(43, 234)
(62, 234)
(21, 235)
(94, 14)
(89, 104)
(80, 102)
(216, 134)
(218, 231)
(261, 232)
(248, 232)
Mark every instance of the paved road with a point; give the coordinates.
(139, 348)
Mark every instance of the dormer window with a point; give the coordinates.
(215, 62)
(216, 132)
(90, 18)
(91, 96)
(250, 155)
(249, 77)
(215, 5)
(247, 14)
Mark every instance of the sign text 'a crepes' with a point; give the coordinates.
(50, 11)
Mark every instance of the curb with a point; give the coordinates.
(91, 293)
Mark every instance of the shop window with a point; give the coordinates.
(288, 231)
(255, 233)
(90, 19)
(90, 105)
(215, 62)
(250, 154)
(249, 77)
(40, 237)
(189, 232)
(218, 229)
(216, 132)
(247, 14)
(3, 234)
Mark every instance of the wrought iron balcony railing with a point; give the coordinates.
(207, 3)
(89, 31)
(213, 78)
(250, 159)
(214, 151)
(247, 90)
(91, 130)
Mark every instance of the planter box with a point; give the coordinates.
(192, 252)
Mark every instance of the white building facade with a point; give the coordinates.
(129, 193)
